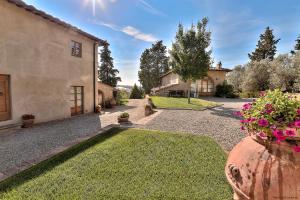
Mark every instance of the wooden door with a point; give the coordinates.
(76, 100)
(5, 108)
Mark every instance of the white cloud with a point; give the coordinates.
(150, 8)
(129, 30)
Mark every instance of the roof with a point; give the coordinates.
(99, 82)
(55, 20)
(210, 69)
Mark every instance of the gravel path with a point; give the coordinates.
(219, 122)
(23, 145)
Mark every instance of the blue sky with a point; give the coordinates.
(130, 26)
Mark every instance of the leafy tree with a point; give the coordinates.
(136, 93)
(153, 64)
(106, 72)
(266, 47)
(257, 76)
(284, 73)
(190, 56)
(236, 78)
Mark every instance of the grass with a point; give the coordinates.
(169, 102)
(128, 164)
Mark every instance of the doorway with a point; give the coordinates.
(76, 99)
(5, 108)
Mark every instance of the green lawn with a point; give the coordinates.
(169, 102)
(128, 164)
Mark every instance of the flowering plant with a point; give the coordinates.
(274, 115)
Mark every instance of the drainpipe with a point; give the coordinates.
(94, 75)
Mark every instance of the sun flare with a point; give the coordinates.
(95, 4)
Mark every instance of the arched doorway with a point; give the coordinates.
(101, 98)
(206, 87)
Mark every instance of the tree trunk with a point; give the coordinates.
(189, 91)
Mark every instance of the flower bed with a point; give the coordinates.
(273, 116)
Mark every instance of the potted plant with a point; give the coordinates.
(124, 117)
(27, 120)
(270, 154)
(148, 110)
(98, 109)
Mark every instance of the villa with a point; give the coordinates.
(173, 86)
(48, 68)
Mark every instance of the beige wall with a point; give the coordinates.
(36, 53)
(218, 77)
(106, 90)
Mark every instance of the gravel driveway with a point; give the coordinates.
(18, 147)
(219, 122)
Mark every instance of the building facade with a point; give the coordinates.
(172, 85)
(47, 67)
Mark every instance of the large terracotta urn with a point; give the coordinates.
(262, 170)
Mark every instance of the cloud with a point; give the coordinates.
(129, 30)
(150, 8)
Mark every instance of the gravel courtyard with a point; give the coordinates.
(219, 123)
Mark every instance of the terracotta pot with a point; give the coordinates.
(27, 123)
(123, 119)
(259, 170)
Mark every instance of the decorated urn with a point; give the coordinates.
(266, 164)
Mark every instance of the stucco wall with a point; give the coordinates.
(36, 53)
(106, 90)
(218, 77)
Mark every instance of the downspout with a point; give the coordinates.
(94, 75)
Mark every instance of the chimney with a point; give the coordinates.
(219, 65)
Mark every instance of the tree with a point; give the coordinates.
(266, 47)
(236, 78)
(106, 72)
(297, 46)
(136, 93)
(153, 64)
(190, 56)
(257, 76)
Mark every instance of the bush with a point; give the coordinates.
(124, 115)
(225, 90)
(122, 97)
(136, 93)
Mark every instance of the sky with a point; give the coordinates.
(131, 26)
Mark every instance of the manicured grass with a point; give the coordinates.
(128, 164)
(169, 102)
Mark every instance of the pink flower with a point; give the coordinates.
(243, 128)
(291, 125)
(273, 127)
(269, 111)
(296, 149)
(247, 106)
(297, 123)
(298, 111)
(262, 135)
(279, 135)
(244, 121)
(263, 122)
(290, 132)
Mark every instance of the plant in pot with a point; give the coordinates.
(27, 120)
(98, 109)
(124, 117)
(148, 110)
(270, 154)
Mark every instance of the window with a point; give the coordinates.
(76, 49)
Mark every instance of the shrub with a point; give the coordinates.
(225, 90)
(122, 97)
(274, 115)
(136, 93)
(249, 94)
(124, 115)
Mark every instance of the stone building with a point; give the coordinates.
(47, 67)
(172, 85)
